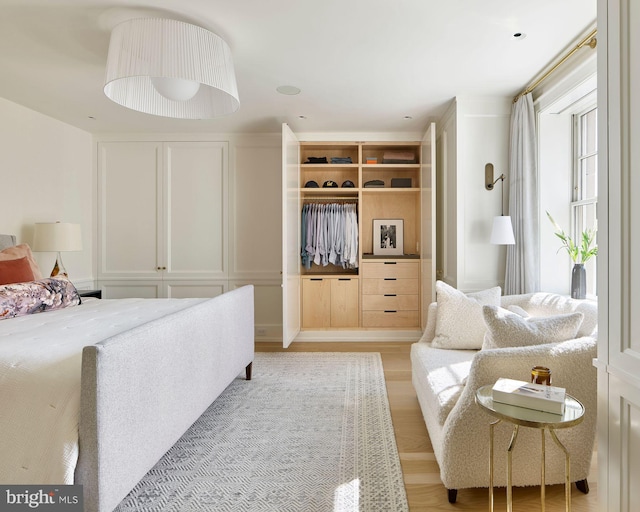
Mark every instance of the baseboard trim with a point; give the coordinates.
(359, 335)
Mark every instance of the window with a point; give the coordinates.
(585, 182)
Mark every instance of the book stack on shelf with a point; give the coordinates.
(371, 160)
(532, 396)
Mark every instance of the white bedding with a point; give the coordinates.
(40, 362)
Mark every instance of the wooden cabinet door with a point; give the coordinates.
(344, 302)
(316, 302)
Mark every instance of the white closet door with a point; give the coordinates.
(290, 236)
(195, 198)
(618, 360)
(130, 242)
(427, 225)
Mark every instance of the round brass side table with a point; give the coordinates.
(521, 416)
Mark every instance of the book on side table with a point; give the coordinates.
(532, 396)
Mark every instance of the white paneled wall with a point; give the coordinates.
(241, 216)
(473, 132)
(256, 227)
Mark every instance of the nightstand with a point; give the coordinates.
(90, 293)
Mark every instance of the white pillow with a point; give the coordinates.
(507, 329)
(459, 320)
(518, 311)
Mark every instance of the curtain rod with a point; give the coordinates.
(590, 41)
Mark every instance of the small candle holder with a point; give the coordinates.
(541, 375)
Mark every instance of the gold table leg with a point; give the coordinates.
(542, 476)
(491, 427)
(567, 470)
(512, 443)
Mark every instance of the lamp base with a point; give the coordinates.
(58, 268)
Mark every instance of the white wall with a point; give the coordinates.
(46, 173)
(474, 132)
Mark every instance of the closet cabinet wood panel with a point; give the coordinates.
(329, 302)
(388, 301)
(390, 318)
(390, 293)
(397, 269)
(344, 302)
(316, 302)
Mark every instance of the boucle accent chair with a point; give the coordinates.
(446, 379)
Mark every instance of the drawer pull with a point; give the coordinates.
(316, 279)
(390, 262)
(390, 311)
(390, 279)
(344, 279)
(390, 295)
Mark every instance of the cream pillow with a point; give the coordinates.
(507, 329)
(459, 320)
(518, 311)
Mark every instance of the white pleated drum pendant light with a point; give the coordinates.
(170, 68)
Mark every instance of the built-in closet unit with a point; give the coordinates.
(384, 292)
(159, 235)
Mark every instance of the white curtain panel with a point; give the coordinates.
(523, 266)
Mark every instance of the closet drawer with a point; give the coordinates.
(390, 318)
(390, 302)
(391, 268)
(390, 285)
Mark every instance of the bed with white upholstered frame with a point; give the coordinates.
(108, 386)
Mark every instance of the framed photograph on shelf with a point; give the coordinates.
(388, 237)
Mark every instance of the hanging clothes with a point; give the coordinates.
(329, 234)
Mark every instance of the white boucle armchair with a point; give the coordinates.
(446, 380)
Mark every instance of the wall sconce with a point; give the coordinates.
(502, 229)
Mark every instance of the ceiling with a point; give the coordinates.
(361, 65)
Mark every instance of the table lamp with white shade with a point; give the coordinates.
(57, 237)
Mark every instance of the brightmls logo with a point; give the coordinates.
(49, 498)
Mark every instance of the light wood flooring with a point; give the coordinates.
(425, 491)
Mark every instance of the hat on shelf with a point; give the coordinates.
(330, 184)
(348, 184)
(311, 184)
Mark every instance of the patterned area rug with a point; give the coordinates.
(310, 432)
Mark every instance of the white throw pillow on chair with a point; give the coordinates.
(507, 329)
(459, 320)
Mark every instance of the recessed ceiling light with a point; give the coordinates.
(302, 117)
(408, 117)
(289, 90)
(519, 36)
